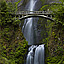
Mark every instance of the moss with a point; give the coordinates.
(54, 42)
(13, 45)
(13, 48)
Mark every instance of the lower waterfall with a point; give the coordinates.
(35, 54)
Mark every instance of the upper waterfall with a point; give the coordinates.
(28, 27)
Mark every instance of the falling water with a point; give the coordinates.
(39, 55)
(27, 28)
(35, 55)
(30, 56)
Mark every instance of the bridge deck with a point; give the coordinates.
(33, 13)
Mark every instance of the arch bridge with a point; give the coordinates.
(26, 14)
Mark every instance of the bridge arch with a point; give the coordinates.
(42, 16)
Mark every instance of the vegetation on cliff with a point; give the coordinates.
(13, 45)
(55, 38)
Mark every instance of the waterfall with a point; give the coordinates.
(27, 28)
(30, 56)
(39, 55)
(35, 55)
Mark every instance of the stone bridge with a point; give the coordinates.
(27, 14)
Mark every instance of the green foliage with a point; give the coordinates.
(16, 5)
(44, 7)
(55, 60)
(62, 1)
(17, 51)
(43, 1)
(55, 30)
(3, 60)
(11, 7)
(6, 11)
(13, 45)
(59, 17)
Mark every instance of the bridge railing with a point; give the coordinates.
(33, 12)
